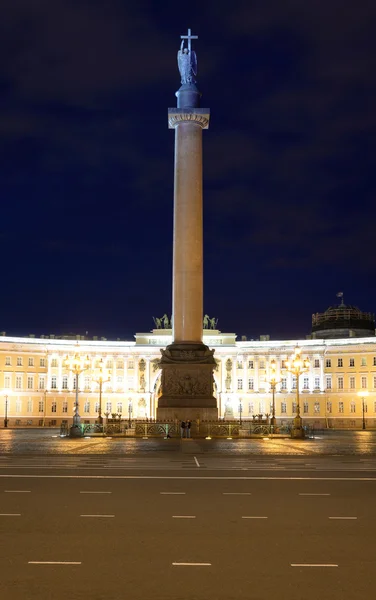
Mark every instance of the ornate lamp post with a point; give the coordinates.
(273, 384)
(297, 365)
(130, 410)
(363, 394)
(6, 412)
(77, 364)
(103, 376)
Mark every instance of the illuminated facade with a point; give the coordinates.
(37, 388)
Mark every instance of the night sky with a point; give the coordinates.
(86, 169)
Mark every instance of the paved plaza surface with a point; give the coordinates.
(187, 519)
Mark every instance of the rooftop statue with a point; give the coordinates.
(187, 60)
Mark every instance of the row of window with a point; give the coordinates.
(316, 363)
(316, 407)
(87, 383)
(54, 362)
(316, 383)
(107, 408)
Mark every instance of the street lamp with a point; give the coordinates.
(77, 364)
(273, 384)
(363, 394)
(240, 412)
(130, 410)
(102, 377)
(6, 412)
(297, 365)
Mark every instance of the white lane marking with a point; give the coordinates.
(10, 514)
(254, 517)
(236, 493)
(99, 516)
(183, 517)
(343, 518)
(306, 494)
(53, 562)
(311, 565)
(196, 461)
(17, 491)
(189, 477)
(172, 493)
(191, 564)
(95, 492)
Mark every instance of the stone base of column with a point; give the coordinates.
(75, 431)
(187, 383)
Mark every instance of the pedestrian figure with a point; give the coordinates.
(188, 428)
(182, 429)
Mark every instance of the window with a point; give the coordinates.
(65, 382)
(108, 407)
(119, 407)
(316, 407)
(31, 362)
(305, 383)
(294, 382)
(19, 361)
(87, 406)
(374, 361)
(97, 407)
(120, 364)
(328, 383)
(109, 364)
(29, 406)
(65, 406)
(352, 362)
(251, 384)
(53, 382)
(283, 383)
(328, 406)
(40, 406)
(87, 383)
(262, 364)
(340, 383)
(364, 383)
(30, 383)
(305, 407)
(251, 408)
(317, 363)
(328, 363)
(240, 384)
(7, 361)
(363, 362)
(53, 406)
(54, 362)
(18, 382)
(283, 408)
(119, 382)
(340, 362)
(18, 406)
(374, 381)
(340, 407)
(317, 383)
(130, 383)
(239, 365)
(250, 364)
(262, 407)
(41, 383)
(283, 364)
(7, 381)
(130, 364)
(294, 407)
(352, 406)
(42, 362)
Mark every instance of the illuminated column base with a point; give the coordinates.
(297, 431)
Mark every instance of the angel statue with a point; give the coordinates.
(206, 322)
(165, 321)
(187, 63)
(213, 323)
(158, 322)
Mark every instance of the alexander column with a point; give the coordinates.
(187, 364)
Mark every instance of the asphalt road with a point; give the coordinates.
(186, 521)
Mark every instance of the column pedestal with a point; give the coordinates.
(187, 383)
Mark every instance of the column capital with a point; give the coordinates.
(199, 116)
